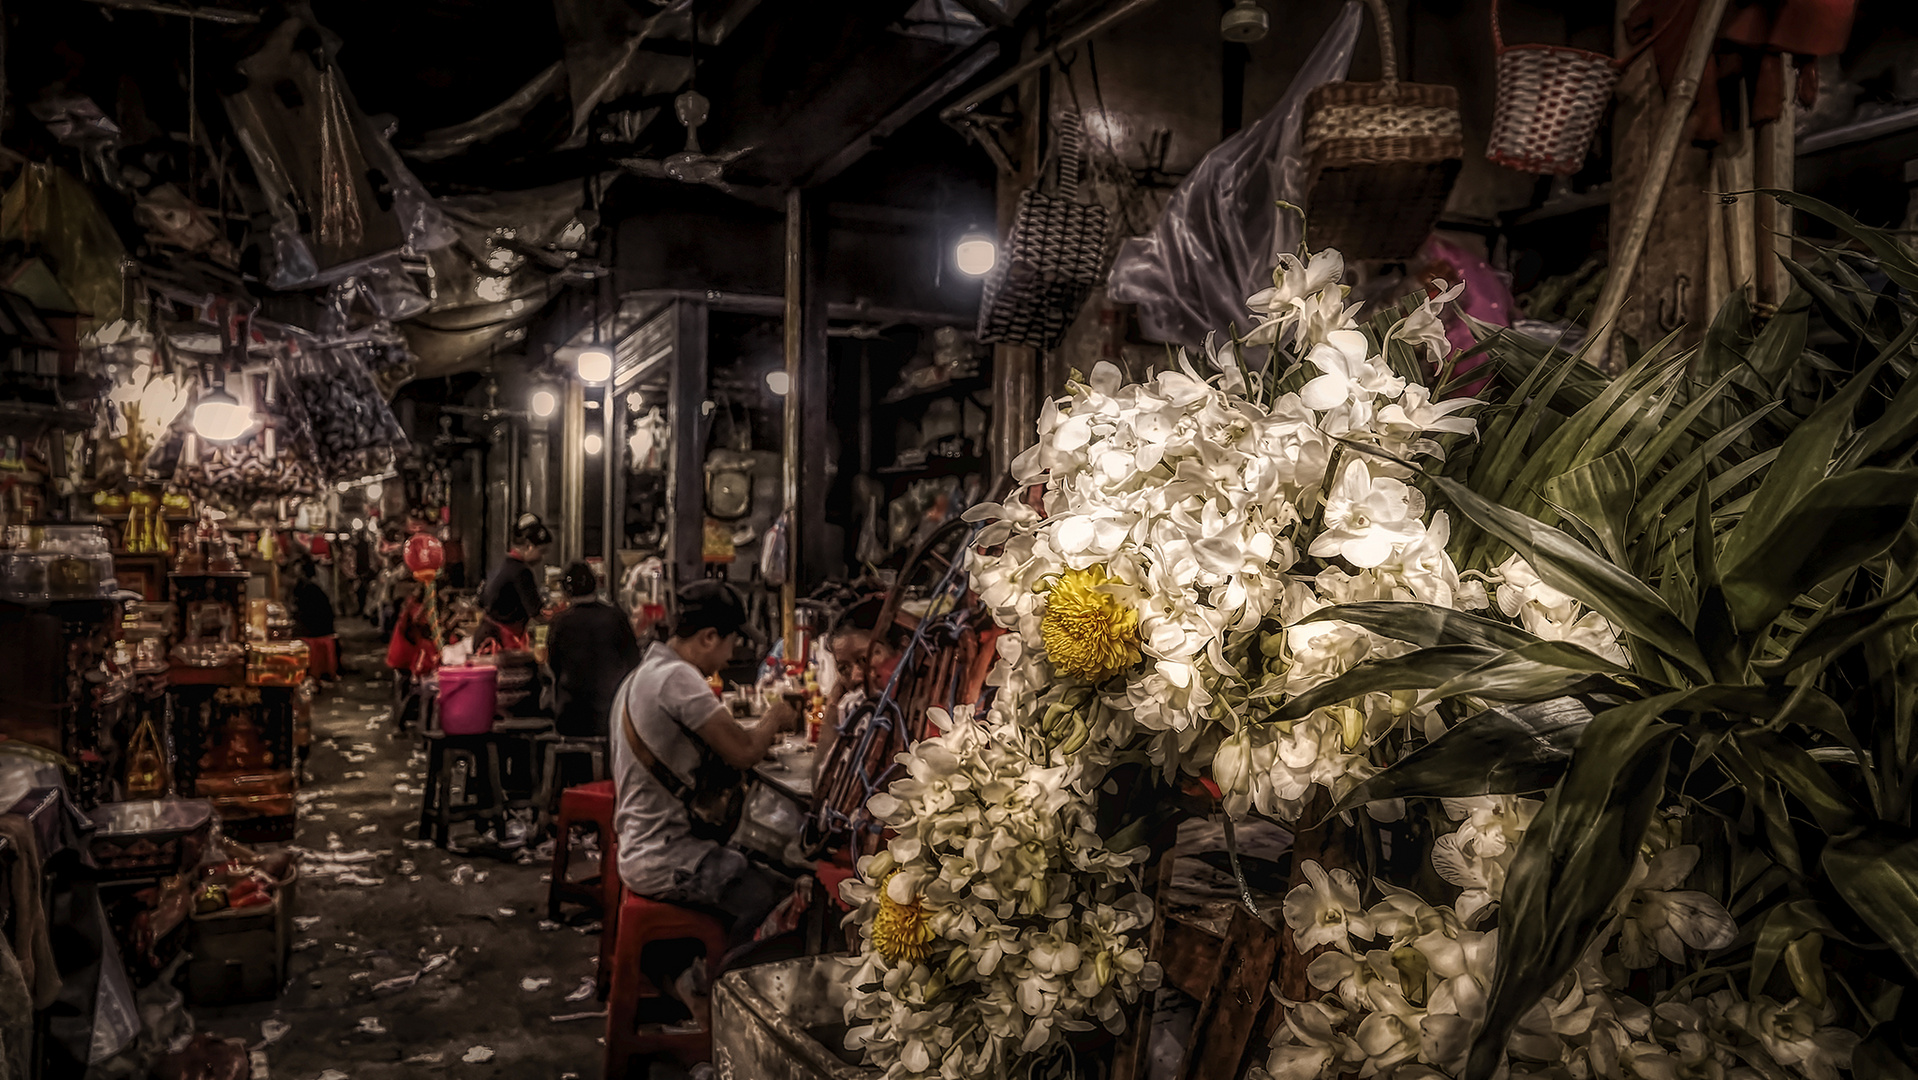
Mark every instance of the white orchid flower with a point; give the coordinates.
(1350, 372)
(1325, 910)
(1796, 1035)
(1366, 517)
(1313, 1044)
(1424, 328)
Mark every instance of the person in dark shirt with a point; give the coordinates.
(591, 650)
(312, 610)
(511, 597)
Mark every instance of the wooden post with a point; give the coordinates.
(685, 417)
(572, 491)
(1665, 144)
(1774, 166)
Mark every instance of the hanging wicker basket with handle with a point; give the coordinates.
(1054, 256)
(1382, 157)
(1550, 100)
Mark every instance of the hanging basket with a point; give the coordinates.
(1055, 255)
(1382, 157)
(1550, 100)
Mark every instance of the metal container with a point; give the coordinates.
(784, 1021)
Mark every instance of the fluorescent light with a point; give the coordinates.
(976, 254)
(594, 444)
(595, 365)
(779, 382)
(220, 418)
(544, 403)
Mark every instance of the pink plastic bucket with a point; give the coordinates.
(467, 698)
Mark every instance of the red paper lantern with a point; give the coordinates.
(424, 556)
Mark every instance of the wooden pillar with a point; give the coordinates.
(572, 496)
(686, 418)
(804, 459)
(1016, 369)
(1774, 165)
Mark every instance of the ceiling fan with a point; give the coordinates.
(691, 165)
(491, 412)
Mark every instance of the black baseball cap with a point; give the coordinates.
(530, 530)
(713, 604)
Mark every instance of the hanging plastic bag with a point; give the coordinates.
(303, 138)
(1221, 232)
(50, 213)
(350, 429)
(773, 554)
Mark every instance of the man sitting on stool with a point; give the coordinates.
(678, 759)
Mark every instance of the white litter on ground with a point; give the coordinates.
(478, 1055)
(533, 985)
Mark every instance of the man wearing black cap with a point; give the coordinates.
(678, 757)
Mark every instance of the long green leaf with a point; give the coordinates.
(1571, 864)
(1425, 625)
(1570, 567)
(1782, 340)
(1893, 257)
(1419, 670)
(1507, 750)
(1601, 494)
(1877, 874)
(1538, 672)
(1806, 456)
(1833, 529)
(1669, 486)
(1647, 459)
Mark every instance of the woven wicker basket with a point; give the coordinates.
(1550, 100)
(1382, 157)
(1055, 255)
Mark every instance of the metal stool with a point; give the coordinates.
(553, 748)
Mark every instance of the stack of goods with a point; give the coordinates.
(244, 766)
(249, 471)
(348, 428)
(241, 927)
(56, 562)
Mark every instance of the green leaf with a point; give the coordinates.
(1667, 489)
(1425, 625)
(1877, 874)
(1419, 670)
(1571, 864)
(1647, 460)
(1501, 751)
(1536, 672)
(1807, 781)
(1833, 529)
(1806, 457)
(1782, 341)
(1601, 494)
(1893, 257)
(1570, 567)
(1776, 930)
(1840, 630)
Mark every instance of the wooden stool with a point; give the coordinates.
(553, 748)
(642, 922)
(480, 754)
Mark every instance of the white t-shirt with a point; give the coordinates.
(657, 849)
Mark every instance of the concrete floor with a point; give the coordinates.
(481, 912)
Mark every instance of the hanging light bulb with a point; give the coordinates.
(544, 403)
(373, 491)
(594, 444)
(977, 253)
(778, 381)
(219, 417)
(595, 365)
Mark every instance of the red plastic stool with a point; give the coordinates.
(323, 657)
(642, 922)
(579, 805)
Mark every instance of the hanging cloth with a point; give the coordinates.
(1748, 58)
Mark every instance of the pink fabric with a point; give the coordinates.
(1486, 298)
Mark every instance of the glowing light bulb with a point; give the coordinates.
(595, 365)
(976, 254)
(219, 418)
(779, 382)
(594, 444)
(358, 524)
(374, 491)
(544, 403)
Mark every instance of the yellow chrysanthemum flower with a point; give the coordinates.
(900, 932)
(1088, 633)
